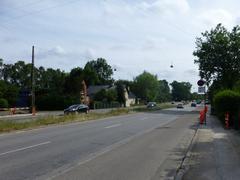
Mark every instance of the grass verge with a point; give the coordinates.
(8, 125)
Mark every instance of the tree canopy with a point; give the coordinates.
(98, 72)
(181, 90)
(146, 86)
(218, 54)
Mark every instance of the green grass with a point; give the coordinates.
(7, 125)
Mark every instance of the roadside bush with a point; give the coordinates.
(3, 103)
(227, 101)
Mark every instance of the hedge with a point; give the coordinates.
(227, 101)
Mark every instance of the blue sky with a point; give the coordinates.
(132, 35)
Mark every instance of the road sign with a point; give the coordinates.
(201, 82)
(201, 89)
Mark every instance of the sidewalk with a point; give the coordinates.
(215, 153)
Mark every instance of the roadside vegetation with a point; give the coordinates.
(56, 89)
(9, 125)
(218, 58)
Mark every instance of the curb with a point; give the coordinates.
(184, 166)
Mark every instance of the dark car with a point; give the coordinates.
(193, 104)
(151, 104)
(76, 108)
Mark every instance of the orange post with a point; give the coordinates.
(33, 111)
(202, 116)
(227, 120)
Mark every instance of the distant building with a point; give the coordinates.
(92, 90)
(84, 99)
(130, 97)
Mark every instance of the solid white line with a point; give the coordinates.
(112, 126)
(24, 148)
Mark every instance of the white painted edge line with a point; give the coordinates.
(24, 148)
(112, 126)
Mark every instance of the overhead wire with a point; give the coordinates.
(41, 10)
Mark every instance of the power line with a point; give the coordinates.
(43, 9)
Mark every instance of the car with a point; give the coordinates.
(180, 106)
(151, 104)
(76, 108)
(193, 104)
(199, 101)
(207, 102)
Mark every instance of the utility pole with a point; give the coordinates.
(33, 84)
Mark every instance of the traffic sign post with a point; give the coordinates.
(201, 82)
(202, 90)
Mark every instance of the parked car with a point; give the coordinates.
(76, 108)
(199, 101)
(193, 104)
(151, 104)
(180, 106)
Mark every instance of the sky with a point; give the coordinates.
(132, 35)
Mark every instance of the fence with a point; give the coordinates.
(103, 105)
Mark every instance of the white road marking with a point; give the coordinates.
(24, 148)
(112, 126)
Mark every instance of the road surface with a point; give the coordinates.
(137, 146)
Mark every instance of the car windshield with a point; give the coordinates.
(73, 106)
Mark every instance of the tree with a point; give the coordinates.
(73, 83)
(164, 91)
(218, 56)
(181, 90)
(18, 74)
(9, 92)
(146, 86)
(98, 72)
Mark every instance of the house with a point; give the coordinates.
(129, 97)
(92, 90)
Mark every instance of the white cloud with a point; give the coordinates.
(215, 16)
(57, 51)
(165, 6)
(158, 7)
(88, 54)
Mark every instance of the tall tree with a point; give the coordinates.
(181, 90)
(73, 82)
(99, 71)
(146, 86)
(18, 74)
(218, 56)
(164, 91)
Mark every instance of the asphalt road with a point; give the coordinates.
(57, 150)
